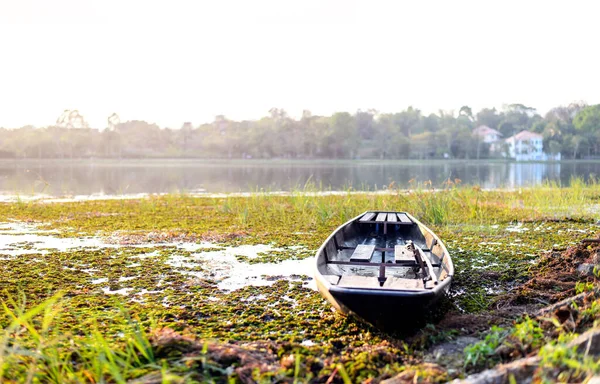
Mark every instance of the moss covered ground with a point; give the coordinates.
(126, 311)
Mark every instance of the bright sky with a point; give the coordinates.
(173, 61)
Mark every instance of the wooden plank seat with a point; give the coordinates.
(363, 253)
(404, 219)
(355, 281)
(381, 217)
(400, 264)
(385, 217)
(368, 216)
(379, 249)
(402, 253)
(404, 284)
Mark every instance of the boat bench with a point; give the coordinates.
(385, 217)
(355, 281)
(404, 256)
(402, 253)
(363, 253)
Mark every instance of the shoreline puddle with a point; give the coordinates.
(231, 274)
(21, 238)
(205, 260)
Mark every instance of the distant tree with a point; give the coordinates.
(588, 119)
(138, 138)
(365, 121)
(431, 123)
(465, 110)
(310, 134)
(507, 129)
(539, 126)
(587, 124)
(579, 144)
(564, 114)
(408, 121)
(520, 108)
(517, 117)
(554, 147)
(185, 135)
(344, 135)
(574, 130)
(385, 132)
(286, 132)
(489, 117)
(574, 145)
(446, 124)
(423, 145)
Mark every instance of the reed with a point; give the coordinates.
(311, 209)
(34, 349)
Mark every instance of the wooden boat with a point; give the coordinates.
(385, 267)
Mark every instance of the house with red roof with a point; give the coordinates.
(528, 146)
(488, 135)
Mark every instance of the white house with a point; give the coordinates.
(528, 146)
(487, 134)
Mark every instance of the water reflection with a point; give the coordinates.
(532, 174)
(66, 178)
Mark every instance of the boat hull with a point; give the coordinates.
(384, 309)
(389, 309)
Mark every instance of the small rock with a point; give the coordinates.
(586, 269)
(450, 354)
(594, 380)
(596, 258)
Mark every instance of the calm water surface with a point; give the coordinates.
(85, 177)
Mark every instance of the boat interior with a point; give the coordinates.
(384, 250)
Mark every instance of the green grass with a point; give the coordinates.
(483, 353)
(560, 363)
(528, 334)
(33, 349)
(86, 336)
(304, 211)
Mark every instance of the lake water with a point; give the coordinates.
(85, 177)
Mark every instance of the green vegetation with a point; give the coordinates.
(571, 130)
(591, 312)
(560, 363)
(528, 334)
(484, 351)
(149, 309)
(582, 286)
(33, 349)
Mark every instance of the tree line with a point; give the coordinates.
(573, 130)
